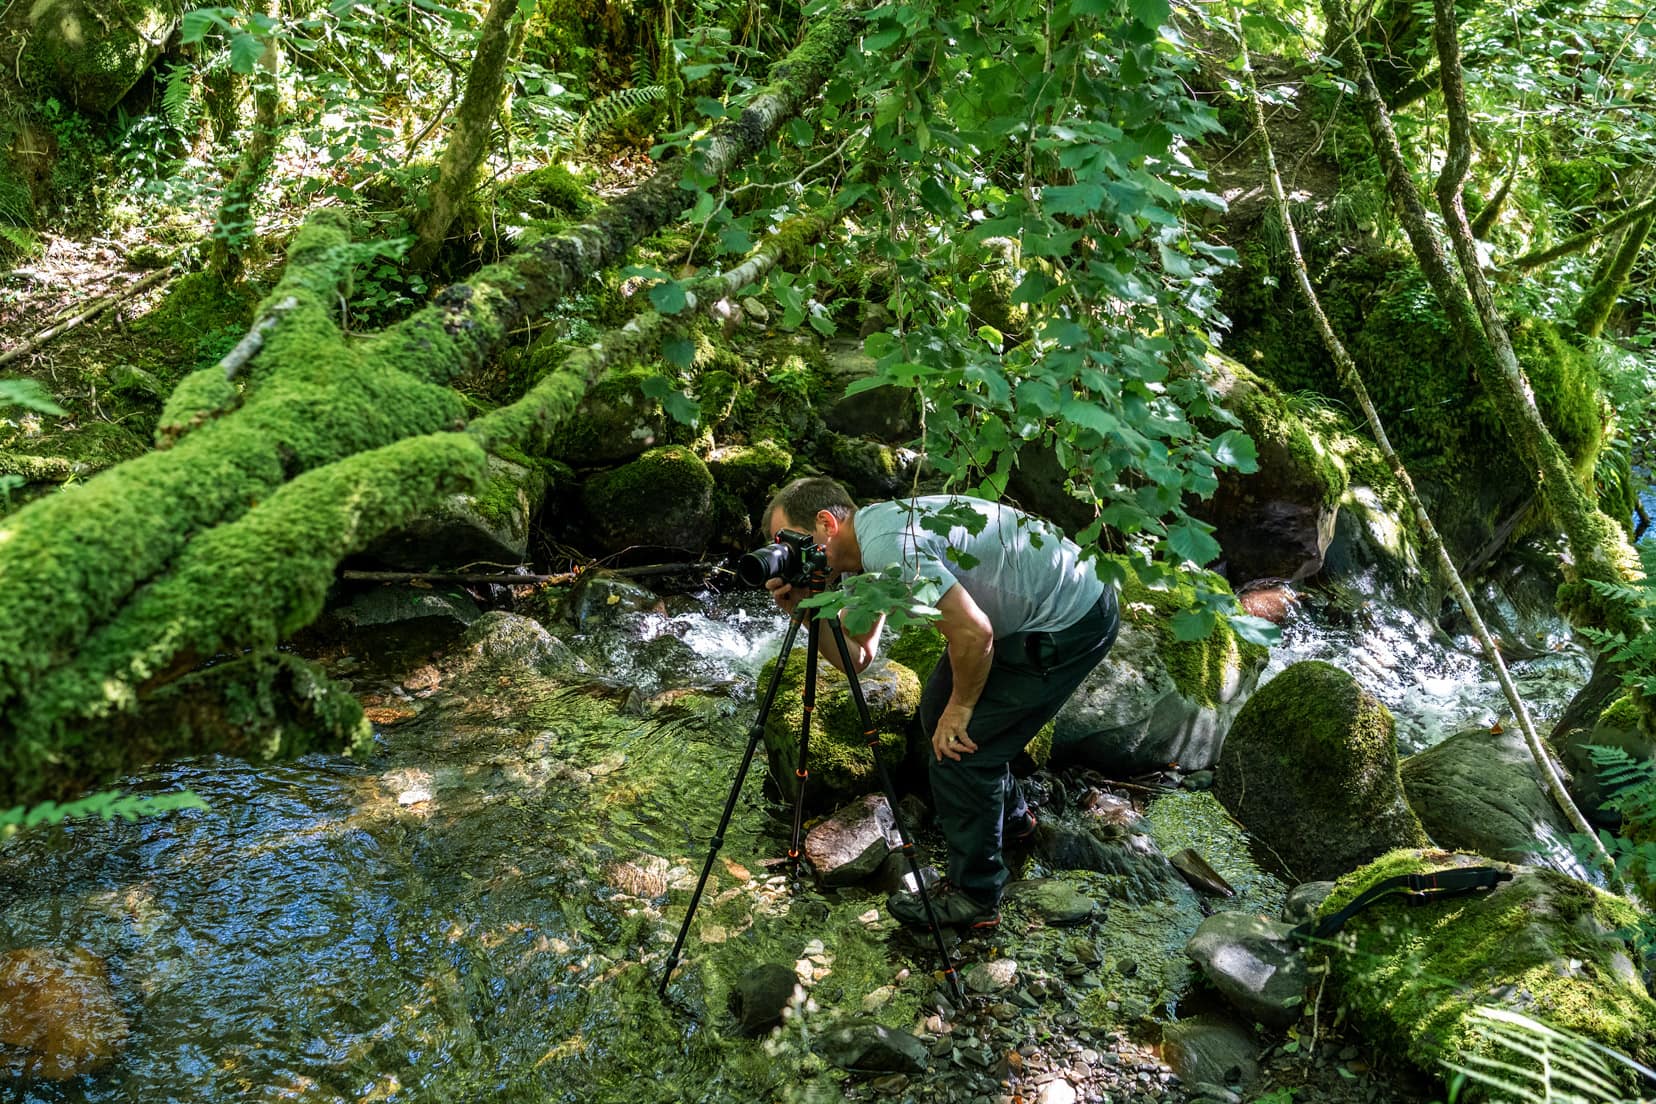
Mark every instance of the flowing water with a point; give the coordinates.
(483, 908)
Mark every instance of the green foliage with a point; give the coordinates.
(107, 806)
(1635, 651)
(29, 395)
(1528, 1061)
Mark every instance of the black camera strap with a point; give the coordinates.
(1416, 889)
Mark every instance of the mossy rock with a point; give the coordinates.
(1157, 700)
(489, 526)
(1542, 944)
(550, 191)
(664, 499)
(1310, 769)
(752, 470)
(91, 55)
(615, 421)
(840, 761)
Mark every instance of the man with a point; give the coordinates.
(1025, 618)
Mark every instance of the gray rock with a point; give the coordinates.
(995, 976)
(1254, 964)
(601, 597)
(759, 996)
(1209, 1050)
(394, 605)
(851, 845)
(1477, 791)
(663, 499)
(1303, 901)
(1130, 715)
(512, 640)
(865, 1046)
(491, 527)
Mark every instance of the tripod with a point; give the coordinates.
(756, 733)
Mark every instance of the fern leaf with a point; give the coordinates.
(178, 99)
(608, 110)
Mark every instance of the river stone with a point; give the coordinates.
(393, 605)
(851, 845)
(1310, 769)
(759, 996)
(600, 597)
(491, 527)
(994, 976)
(512, 640)
(1130, 714)
(663, 499)
(1115, 842)
(864, 1046)
(1544, 945)
(1477, 791)
(1057, 903)
(57, 1007)
(1254, 964)
(1304, 901)
(1211, 1050)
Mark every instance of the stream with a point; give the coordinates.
(481, 910)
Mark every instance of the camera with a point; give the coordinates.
(795, 558)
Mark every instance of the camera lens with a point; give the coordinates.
(769, 562)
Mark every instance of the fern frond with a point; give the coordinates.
(608, 110)
(178, 99)
(20, 239)
(1537, 1063)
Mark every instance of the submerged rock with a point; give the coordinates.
(1310, 769)
(759, 996)
(864, 1046)
(57, 1008)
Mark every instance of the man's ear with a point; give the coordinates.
(828, 521)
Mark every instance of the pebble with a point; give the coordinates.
(1058, 1092)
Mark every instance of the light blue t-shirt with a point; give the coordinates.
(1023, 573)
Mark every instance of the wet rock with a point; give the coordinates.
(994, 976)
(58, 1010)
(1310, 769)
(1270, 599)
(1110, 839)
(489, 527)
(1132, 713)
(1211, 1050)
(851, 845)
(1058, 1091)
(1254, 964)
(1057, 903)
(602, 597)
(512, 640)
(1477, 791)
(1303, 902)
(396, 605)
(759, 996)
(864, 1046)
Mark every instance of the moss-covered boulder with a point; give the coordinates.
(664, 499)
(1156, 700)
(839, 759)
(490, 527)
(87, 54)
(615, 421)
(1276, 522)
(1542, 944)
(1310, 769)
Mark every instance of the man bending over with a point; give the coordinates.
(1025, 619)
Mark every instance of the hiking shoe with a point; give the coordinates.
(1019, 830)
(953, 908)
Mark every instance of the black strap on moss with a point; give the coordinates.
(1416, 889)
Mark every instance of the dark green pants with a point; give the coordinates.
(1032, 676)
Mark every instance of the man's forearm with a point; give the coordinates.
(969, 660)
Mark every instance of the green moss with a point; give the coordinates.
(1543, 944)
(918, 647)
(1278, 430)
(546, 192)
(199, 321)
(1201, 669)
(748, 470)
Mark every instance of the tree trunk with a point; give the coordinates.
(1598, 546)
(233, 227)
(1601, 298)
(497, 43)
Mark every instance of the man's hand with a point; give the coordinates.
(786, 596)
(949, 737)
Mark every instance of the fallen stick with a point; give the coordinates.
(86, 315)
(516, 580)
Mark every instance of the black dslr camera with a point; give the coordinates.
(795, 558)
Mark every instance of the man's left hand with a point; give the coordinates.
(949, 738)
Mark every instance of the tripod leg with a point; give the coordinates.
(802, 771)
(755, 734)
(891, 797)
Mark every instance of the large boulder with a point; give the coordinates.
(1547, 946)
(491, 527)
(614, 422)
(664, 499)
(1254, 963)
(1276, 522)
(89, 54)
(1157, 700)
(1310, 769)
(1477, 791)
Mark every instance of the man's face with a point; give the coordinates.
(826, 530)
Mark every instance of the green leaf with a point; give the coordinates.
(1235, 449)
(1256, 630)
(197, 24)
(669, 297)
(679, 351)
(30, 395)
(1193, 624)
(245, 52)
(1190, 540)
(1072, 199)
(881, 39)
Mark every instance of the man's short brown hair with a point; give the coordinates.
(803, 498)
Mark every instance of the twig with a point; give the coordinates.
(517, 580)
(86, 315)
(252, 341)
